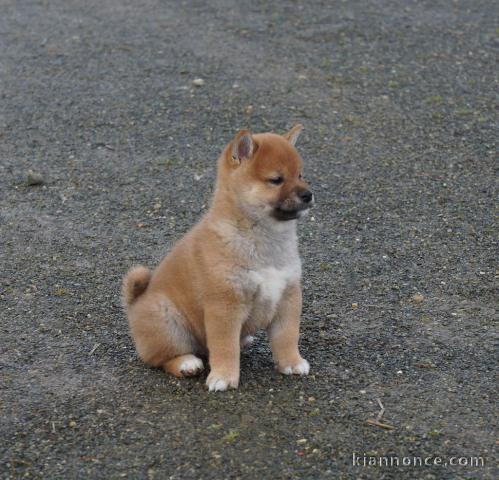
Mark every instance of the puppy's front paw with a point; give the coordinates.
(219, 383)
(302, 367)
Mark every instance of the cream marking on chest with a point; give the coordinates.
(269, 255)
(271, 282)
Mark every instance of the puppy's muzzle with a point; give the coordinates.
(306, 196)
(291, 210)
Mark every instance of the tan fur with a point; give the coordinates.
(135, 283)
(236, 271)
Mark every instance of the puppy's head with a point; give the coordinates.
(263, 174)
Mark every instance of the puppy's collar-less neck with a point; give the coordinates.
(271, 232)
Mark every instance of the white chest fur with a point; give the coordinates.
(269, 253)
(270, 282)
(266, 287)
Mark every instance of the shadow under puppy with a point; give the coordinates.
(238, 270)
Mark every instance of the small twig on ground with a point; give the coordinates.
(94, 348)
(375, 423)
(382, 411)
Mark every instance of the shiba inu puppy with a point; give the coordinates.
(236, 271)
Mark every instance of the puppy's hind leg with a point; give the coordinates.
(161, 337)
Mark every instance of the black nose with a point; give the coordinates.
(306, 196)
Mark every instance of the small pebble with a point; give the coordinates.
(418, 298)
(198, 82)
(34, 178)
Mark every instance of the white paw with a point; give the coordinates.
(300, 368)
(216, 383)
(191, 366)
(247, 341)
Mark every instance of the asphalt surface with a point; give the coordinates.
(399, 101)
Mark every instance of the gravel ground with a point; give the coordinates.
(399, 101)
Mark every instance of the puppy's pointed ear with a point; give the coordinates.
(293, 134)
(242, 146)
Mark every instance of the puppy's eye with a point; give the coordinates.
(276, 180)
(300, 176)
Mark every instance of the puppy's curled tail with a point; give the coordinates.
(135, 284)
